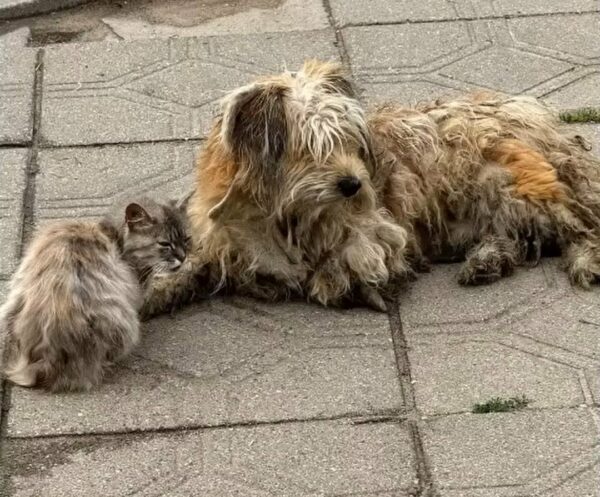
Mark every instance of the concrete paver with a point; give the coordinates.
(20, 8)
(318, 458)
(383, 11)
(17, 67)
(454, 375)
(217, 362)
(85, 182)
(510, 454)
(286, 15)
(526, 7)
(423, 61)
(455, 308)
(159, 89)
(13, 164)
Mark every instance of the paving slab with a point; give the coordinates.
(13, 163)
(278, 16)
(9, 9)
(505, 69)
(15, 39)
(409, 48)
(591, 132)
(512, 454)
(298, 459)
(221, 362)
(592, 377)
(576, 41)
(535, 7)
(86, 182)
(383, 11)
(578, 93)
(159, 89)
(404, 62)
(454, 308)
(575, 322)
(408, 93)
(17, 68)
(3, 290)
(422, 61)
(452, 375)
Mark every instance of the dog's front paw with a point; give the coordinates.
(372, 298)
(393, 240)
(329, 284)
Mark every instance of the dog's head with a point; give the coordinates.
(298, 143)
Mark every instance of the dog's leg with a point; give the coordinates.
(330, 283)
(490, 260)
(170, 292)
(582, 261)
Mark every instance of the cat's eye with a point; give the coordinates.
(165, 244)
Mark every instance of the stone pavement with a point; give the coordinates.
(234, 397)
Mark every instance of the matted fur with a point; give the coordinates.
(487, 177)
(490, 174)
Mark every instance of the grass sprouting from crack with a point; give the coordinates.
(583, 115)
(498, 404)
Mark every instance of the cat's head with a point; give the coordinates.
(155, 237)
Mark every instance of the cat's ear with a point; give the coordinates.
(136, 216)
(181, 203)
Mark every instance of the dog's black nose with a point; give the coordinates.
(349, 186)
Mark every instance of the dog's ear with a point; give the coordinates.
(220, 209)
(254, 125)
(334, 76)
(367, 152)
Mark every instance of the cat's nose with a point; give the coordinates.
(349, 186)
(180, 255)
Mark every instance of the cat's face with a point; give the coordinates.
(155, 241)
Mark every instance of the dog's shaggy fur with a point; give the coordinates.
(299, 192)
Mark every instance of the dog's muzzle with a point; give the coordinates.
(349, 186)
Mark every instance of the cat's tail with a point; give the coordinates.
(23, 372)
(55, 376)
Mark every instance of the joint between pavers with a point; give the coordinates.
(339, 36)
(491, 17)
(43, 145)
(353, 418)
(31, 170)
(32, 167)
(425, 485)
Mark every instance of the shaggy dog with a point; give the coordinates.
(299, 192)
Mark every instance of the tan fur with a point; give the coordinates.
(534, 177)
(488, 177)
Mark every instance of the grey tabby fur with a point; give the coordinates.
(72, 310)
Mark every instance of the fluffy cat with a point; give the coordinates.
(73, 306)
